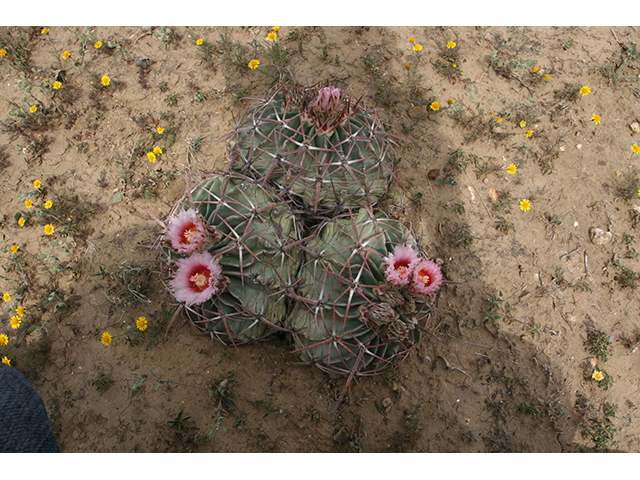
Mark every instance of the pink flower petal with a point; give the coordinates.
(186, 231)
(400, 265)
(197, 279)
(426, 278)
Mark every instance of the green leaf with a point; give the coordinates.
(117, 197)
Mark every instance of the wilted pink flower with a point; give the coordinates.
(186, 231)
(400, 265)
(426, 277)
(197, 279)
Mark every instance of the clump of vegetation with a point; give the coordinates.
(622, 65)
(598, 344)
(491, 315)
(461, 235)
(629, 185)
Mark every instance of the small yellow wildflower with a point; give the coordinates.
(450, 101)
(157, 150)
(105, 80)
(534, 70)
(21, 221)
(412, 39)
(407, 66)
(160, 130)
(597, 375)
(6, 361)
(33, 108)
(455, 65)
(20, 311)
(66, 54)
(141, 323)
(15, 322)
(6, 297)
(525, 205)
(639, 192)
(272, 36)
(28, 203)
(435, 106)
(451, 45)
(253, 64)
(417, 47)
(199, 41)
(49, 229)
(152, 157)
(56, 85)
(529, 133)
(4, 339)
(106, 338)
(37, 184)
(585, 91)
(48, 204)
(635, 148)
(546, 77)
(498, 120)
(596, 119)
(512, 169)
(523, 124)
(98, 44)
(44, 31)
(3, 52)
(275, 29)
(14, 249)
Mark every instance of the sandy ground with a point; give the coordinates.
(538, 302)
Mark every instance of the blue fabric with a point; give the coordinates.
(24, 424)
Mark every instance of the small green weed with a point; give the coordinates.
(492, 315)
(179, 422)
(503, 225)
(461, 236)
(627, 278)
(535, 331)
(598, 344)
(102, 382)
(602, 434)
(622, 63)
(529, 409)
(172, 99)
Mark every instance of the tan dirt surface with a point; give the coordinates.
(536, 301)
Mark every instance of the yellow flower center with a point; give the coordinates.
(423, 277)
(200, 280)
(189, 234)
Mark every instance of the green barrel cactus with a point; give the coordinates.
(318, 145)
(251, 234)
(364, 293)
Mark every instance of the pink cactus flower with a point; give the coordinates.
(329, 98)
(400, 265)
(197, 279)
(186, 231)
(426, 278)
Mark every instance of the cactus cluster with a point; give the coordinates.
(289, 238)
